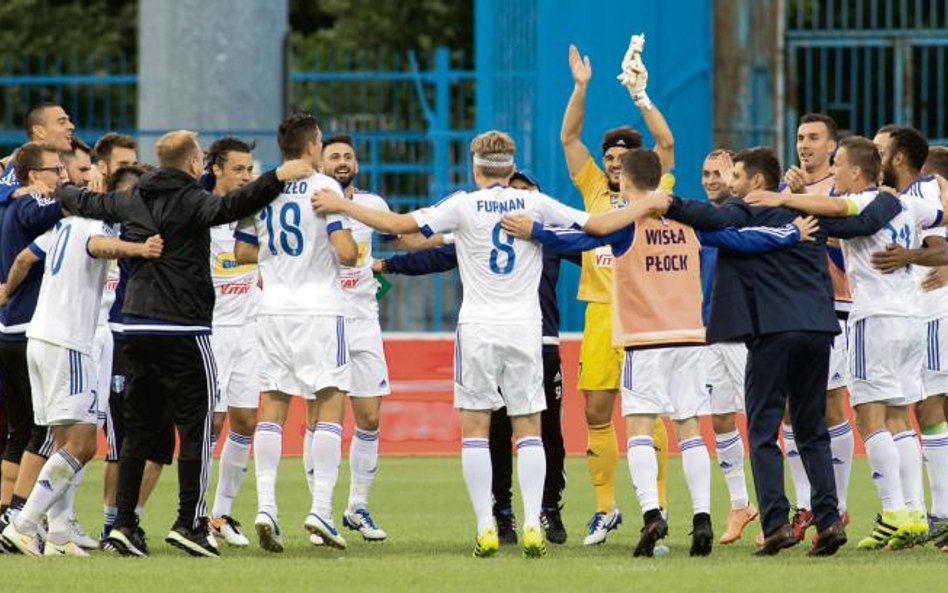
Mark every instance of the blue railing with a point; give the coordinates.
(868, 63)
(412, 117)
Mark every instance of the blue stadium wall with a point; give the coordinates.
(523, 84)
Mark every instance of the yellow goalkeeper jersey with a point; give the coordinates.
(595, 280)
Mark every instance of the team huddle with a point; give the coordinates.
(148, 301)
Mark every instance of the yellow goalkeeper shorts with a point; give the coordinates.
(600, 365)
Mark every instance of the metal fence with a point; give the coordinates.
(412, 117)
(868, 63)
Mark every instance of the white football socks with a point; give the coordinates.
(884, 461)
(730, 448)
(327, 453)
(801, 484)
(476, 467)
(233, 467)
(531, 474)
(363, 462)
(267, 450)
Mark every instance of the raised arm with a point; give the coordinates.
(212, 210)
(326, 202)
(570, 133)
(420, 263)
(112, 207)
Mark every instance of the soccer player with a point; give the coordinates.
(230, 167)
(24, 217)
(445, 258)
(600, 363)
(776, 304)
(652, 257)
(301, 331)
(114, 151)
(904, 152)
(498, 345)
(168, 314)
(62, 372)
(78, 163)
(816, 142)
(725, 365)
(47, 123)
(369, 373)
(885, 321)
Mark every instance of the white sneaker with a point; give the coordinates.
(80, 537)
(316, 540)
(324, 529)
(25, 543)
(228, 528)
(268, 532)
(360, 520)
(70, 548)
(600, 525)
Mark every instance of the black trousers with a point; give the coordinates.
(114, 428)
(17, 401)
(501, 433)
(173, 375)
(789, 367)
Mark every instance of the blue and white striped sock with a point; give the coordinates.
(531, 474)
(643, 467)
(363, 462)
(935, 449)
(697, 466)
(233, 467)
(327, 453)
(268, 448)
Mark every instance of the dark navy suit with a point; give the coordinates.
(781, 305)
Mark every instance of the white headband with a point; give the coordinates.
(497, 159)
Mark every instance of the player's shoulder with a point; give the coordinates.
(367, 198)
(454, 197)
(319, 181)
(923, 187)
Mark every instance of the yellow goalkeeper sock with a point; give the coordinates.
(660, 438)
(602, 455)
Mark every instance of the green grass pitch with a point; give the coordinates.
(422, 504)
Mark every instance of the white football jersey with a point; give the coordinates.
(934, 304)
(234, 284)
(875, 293)
(500, 274)
(67, 308)
(297, 263)
(358, 282)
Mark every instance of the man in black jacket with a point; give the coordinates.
(781, 305)
(168, 312)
